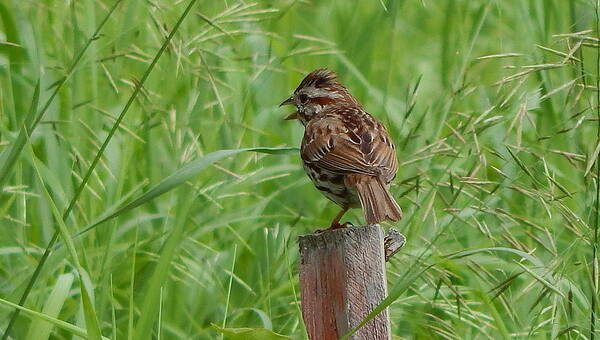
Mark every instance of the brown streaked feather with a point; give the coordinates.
(319, 78)
(376, 201)
(338, 143)
(383, 154)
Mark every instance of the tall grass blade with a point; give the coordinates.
(87, 289)
(40, 329)
(179, 177)
(9, 157)
(74, 330)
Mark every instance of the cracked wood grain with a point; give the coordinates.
(342, 278)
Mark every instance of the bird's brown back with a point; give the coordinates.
(348, 140)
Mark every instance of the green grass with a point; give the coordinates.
(493, 106)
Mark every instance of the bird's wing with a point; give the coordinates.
(350, 144)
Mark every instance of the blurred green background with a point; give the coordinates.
(492, 104)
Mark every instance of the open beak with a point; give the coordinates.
(289, 101)
(293, 115)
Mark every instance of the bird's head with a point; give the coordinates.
(317, 92)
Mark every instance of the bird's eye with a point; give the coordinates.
(303, 98)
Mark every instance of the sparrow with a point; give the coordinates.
(348, 154)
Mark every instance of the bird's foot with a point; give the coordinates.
(335, 226)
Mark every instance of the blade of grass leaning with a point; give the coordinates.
(100, 152)
(40, 329)
(179, 177)
(542, 280)
(74, 330)
(50, 177)
(89, 312)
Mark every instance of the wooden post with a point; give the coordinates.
(342, 278)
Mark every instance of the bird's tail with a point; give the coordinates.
(377, 203)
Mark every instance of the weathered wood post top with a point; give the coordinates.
(342, 278)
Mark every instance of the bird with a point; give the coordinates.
(347, 153)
